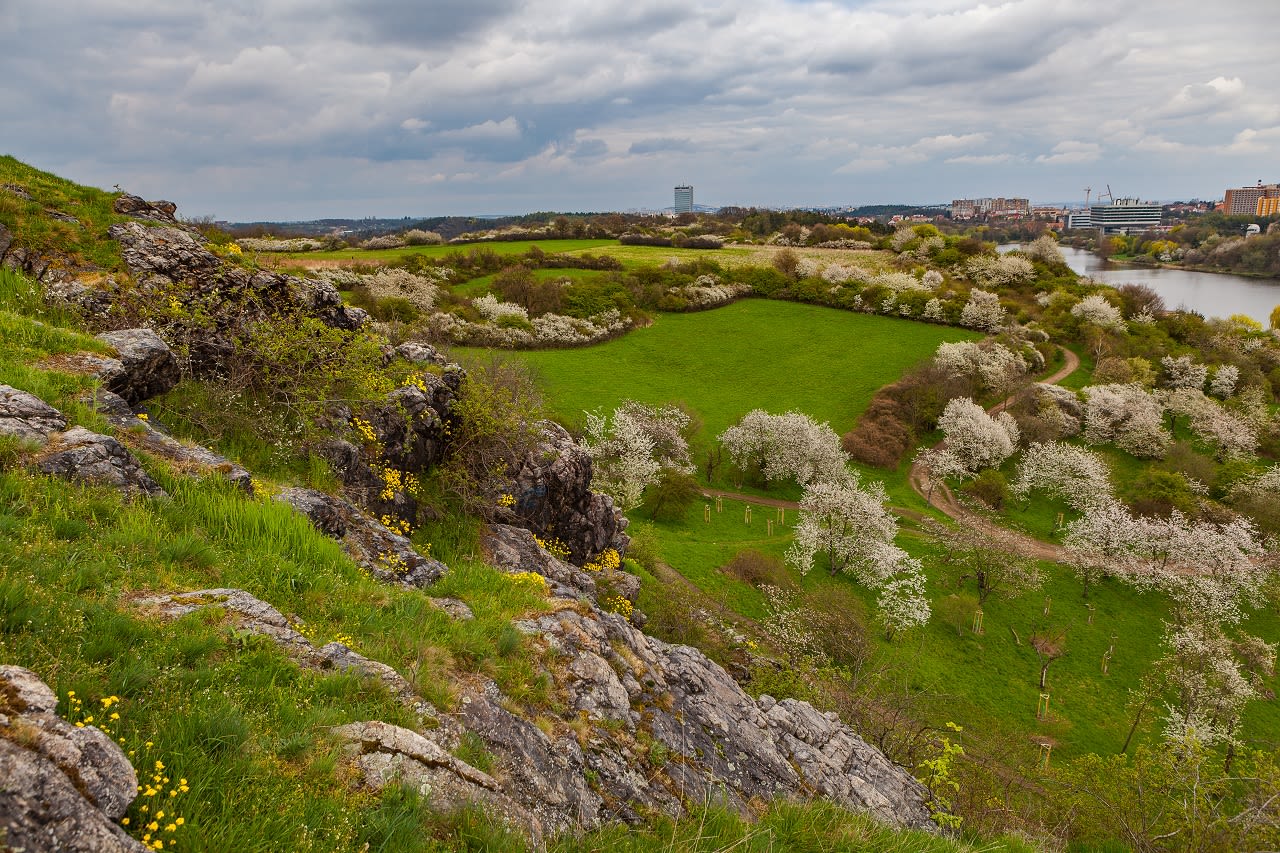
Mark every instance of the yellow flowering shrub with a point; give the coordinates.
(609, 559)
(529, 579)
(621, 606)
(553, 546)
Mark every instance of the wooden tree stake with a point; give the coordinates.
(1042, 707)
(706, 513)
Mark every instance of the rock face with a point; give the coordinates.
(87, 457)
(27, 416)
(554, 499)
(156, 211)
(388, 556)
(668, 727)
(186, 458)
(147, 365)
(61, 787)
(160, 257)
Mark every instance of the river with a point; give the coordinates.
(1212, 294)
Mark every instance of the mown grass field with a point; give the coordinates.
(751, 354)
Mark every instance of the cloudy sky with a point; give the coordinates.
(282, 109)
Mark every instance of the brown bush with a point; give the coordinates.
(881, 438)
(758, 569)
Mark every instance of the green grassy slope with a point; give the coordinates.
(751, 354)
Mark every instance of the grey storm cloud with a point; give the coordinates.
(300, 108)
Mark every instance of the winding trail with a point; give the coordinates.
(939, 495)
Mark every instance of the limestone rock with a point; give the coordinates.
(157, 211)
(388, 556)
(513, 549)
(416, 352)
(83, 456)
(148, 366)
(61, 787)
(386, 754)
(187, 458)
(27, 416)
(554, 499)
(456, 608)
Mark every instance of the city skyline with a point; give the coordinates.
(283, 111)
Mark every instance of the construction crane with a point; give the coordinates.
(1110, 197)
(1087, 190)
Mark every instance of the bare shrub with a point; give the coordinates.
(758, 569)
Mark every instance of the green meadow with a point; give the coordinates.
(752, 354)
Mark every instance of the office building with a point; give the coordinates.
(1124, 215)
(684, 199)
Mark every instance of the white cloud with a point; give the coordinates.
(508, 128)
(1071, 151)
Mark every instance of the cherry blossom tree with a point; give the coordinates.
(631, 448)
(1100, 542)
(996, 366)
(982, 311)
(1183, 372)
(1097, 310)
(1128, 416)
(975, 438)
(849, 525)
(1001, 270)
(1224, 381)
(1063, 471)
(1232, 435)
(786, 447)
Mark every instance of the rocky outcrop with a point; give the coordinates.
(147, 367)
(385, 754)
(554, 499)
(88, 457)
(257, 617)
(156, 211)
(665, 726)
(388, 556)
(416, 352)
(61, 787)
(27, 416)
(141, 433)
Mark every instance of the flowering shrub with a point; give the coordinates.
(549, 330)
(609, 559)
(529, 579)
(785, 447)
(297, 244)
(621, 606)
(1001, 271)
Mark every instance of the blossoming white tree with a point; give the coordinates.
(1183, 372)
(1095, 309)
(975, 438)
(1000, 271)
(1224, 381)
(996, 366)
(1063, 471)
(1127, 415)
(848, 524)
(786, 447)
(982, 311)
(630, 449)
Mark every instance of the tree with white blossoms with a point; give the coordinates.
(1100, 542)
(1000, 271)
(933, 310)
(1062, 471)
(1128, 416)
(941, 464)
(792, 446)
(1182, 372)
(996, 366)
(1224, 381)
(1045, 248)
(1232, 435)
(849, 525)
(1097, 310)
(632, 448)
(982, 311)
(975, 438)
(901, 603)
